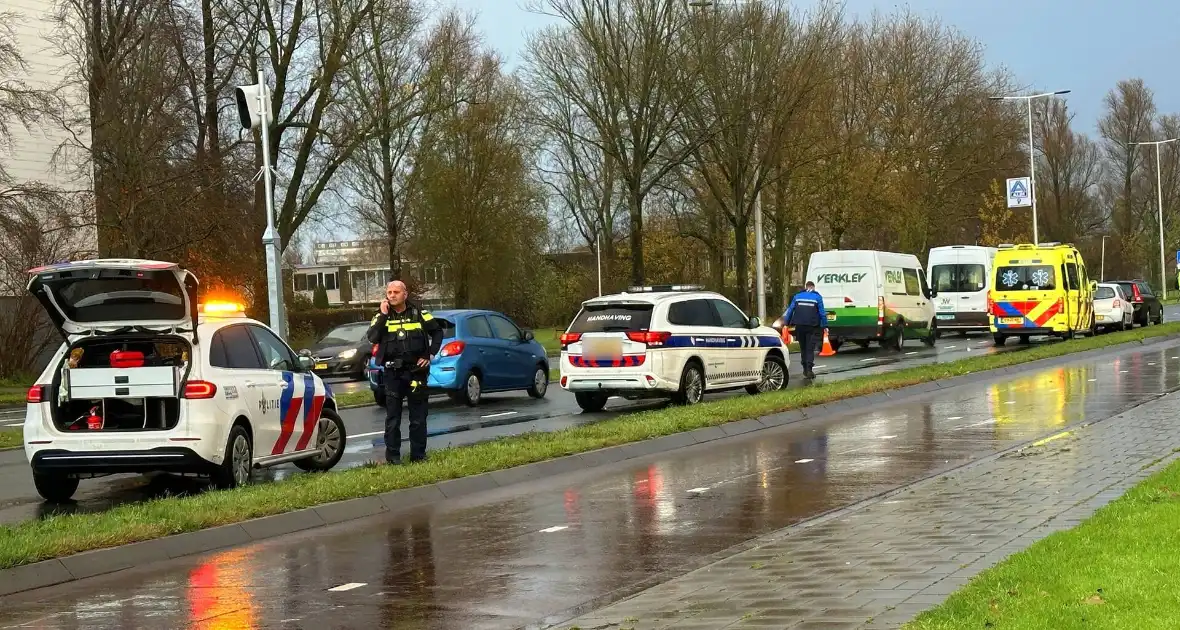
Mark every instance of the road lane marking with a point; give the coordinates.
(888, 437)
(804, 461)
(347, 587)
(1051, 438)
(555, 528)
(1151, 364)
(698, 490)
(951, 347)
(910, 354)
(370, 434)
(820, 366)
(955, 418)
(868, 359)
(14, 424)
(497, 415)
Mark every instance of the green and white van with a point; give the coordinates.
(874, 296)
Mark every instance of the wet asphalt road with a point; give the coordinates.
(451, 424)
(536, 554)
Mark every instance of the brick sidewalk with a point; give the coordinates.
(879, 564)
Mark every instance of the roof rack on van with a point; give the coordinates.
(665, 288)
(1005, 246)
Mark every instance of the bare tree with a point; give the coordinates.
(1068, 175)
(402, 81)
(1130, 114)
(622, 63)
(760, 70)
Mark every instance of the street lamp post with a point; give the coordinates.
(1160, 199)
(1032, 163)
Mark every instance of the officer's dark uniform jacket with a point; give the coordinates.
(806, 309)
(405, 337)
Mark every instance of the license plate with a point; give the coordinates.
(831, 317)
(599, 348)
(946, 316)
(321, 366)
(1012, 321)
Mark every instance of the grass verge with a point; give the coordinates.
(11, 437)
(1115, 570)
(12, 398)
(58, 536)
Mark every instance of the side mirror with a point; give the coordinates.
(755, 322)
(528, 335)
(306, 362)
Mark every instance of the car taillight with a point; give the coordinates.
(570, 337)
(374, 352)
(199, 390)
(880, 313)
(1135, 290)
(37, 394)
(991, 305)
(455, 348)
(126, 359)
(650, 337)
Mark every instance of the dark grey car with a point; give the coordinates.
(1148, 308)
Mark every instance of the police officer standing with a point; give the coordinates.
(806, 313)
(407, 337)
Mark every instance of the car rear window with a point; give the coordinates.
(1026, 278)
(1104, 293)
(116, 296)
(612, 318)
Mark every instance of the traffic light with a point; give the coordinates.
(250, 107)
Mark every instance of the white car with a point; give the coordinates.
(136, 387)
(1112, 309)
(668, 341)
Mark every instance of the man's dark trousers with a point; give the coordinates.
(810, 338)
(412, 387)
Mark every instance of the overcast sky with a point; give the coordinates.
(1080, 45)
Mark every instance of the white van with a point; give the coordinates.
(960, 276)
(873, 296)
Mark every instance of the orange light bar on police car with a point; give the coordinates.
(215, 308)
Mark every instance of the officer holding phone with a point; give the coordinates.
(407, 337)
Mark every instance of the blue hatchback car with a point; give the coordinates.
(482, 351)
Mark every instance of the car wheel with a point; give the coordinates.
(999, 340)
(540, 382)
(591, 402)
(774, 377)
(692, 385)
(238, 464)
(898, 341)
(932, 337)
(55, 488)
(330, 440)
(472, 390)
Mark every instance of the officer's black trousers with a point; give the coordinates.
(411, 387)
(809, 342)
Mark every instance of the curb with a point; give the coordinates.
(104, 561)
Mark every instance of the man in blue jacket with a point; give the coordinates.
(806, 314)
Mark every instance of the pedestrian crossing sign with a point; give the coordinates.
(1018, 192)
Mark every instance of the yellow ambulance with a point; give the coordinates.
(1040, 290)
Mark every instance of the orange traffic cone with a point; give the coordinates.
(827, 350)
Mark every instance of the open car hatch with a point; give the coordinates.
(104, 296)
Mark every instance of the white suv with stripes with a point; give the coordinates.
(668, 341)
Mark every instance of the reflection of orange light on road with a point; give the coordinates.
(648, 485)
(571, 505)
(1035, 401)
(217, 594)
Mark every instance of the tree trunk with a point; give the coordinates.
(635, 207)
(741, 259)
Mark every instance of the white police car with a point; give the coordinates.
(137, 388)
(676, 341)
